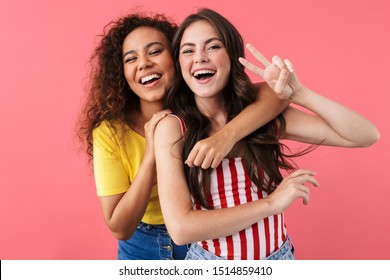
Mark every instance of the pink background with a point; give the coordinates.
(48, 205)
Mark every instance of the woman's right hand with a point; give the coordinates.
(291, 188)
(150, 127)
(279, 74)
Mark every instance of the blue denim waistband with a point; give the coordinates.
(150, 242)
(150, 226)
(285, 252)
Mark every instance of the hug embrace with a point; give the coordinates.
(187, 152)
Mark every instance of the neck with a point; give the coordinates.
(148, 109)
(214, 109)
(211, 106)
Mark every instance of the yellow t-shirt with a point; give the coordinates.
(116, 165)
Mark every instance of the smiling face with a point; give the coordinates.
(148, 64)
(204, 61)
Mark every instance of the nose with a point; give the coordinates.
(201, 57)
(144, 62)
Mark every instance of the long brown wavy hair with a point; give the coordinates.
(264, 153)
(108, 95)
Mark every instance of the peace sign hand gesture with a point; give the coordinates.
(279, 74)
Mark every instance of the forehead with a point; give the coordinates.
(199, 31)
(142, 36)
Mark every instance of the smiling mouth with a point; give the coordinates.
(203, 74)
(149, 79)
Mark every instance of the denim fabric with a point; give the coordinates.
(196, 252)
(285, 252)
(150, 242)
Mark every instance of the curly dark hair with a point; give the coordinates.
(108, 96)
(264, 151)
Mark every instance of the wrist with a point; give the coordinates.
(299, 95)
(265, 207)
(271, 207)
(149, 157)
(229, 133)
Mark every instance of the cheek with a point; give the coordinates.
(183, 63)
(185, 68)
(170, 75)
(170, 70)
(186, 77)
(226, 69)
(166, 65)
(128, 71)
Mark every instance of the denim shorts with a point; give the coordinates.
(285, 252)
(150, 242)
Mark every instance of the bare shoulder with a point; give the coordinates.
(170, 122)
(169, 128)
(168, 139)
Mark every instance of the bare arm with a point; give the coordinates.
(332, 123)
(210, 151)
(187, 225)
(123, 212)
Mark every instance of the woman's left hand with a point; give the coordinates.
(279, 74)
(210, 151)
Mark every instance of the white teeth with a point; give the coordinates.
(200, 72)
(150, 77)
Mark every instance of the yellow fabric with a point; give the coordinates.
(116, 165)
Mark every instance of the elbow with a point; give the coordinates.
(179, 240)
(375, 136)
(372, 137)
(121, 235)
(179, 233)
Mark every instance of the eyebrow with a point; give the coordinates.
(205, 43)
(148, 45)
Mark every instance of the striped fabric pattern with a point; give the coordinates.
(231, 186)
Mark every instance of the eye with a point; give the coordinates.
(155, 52)
(187, 51)
(214, 47)
(130, 59)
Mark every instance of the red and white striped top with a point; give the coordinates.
(231, 186)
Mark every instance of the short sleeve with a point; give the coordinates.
(110, 175)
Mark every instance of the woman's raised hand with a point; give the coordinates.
(279, 74)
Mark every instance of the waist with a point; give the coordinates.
(150, 226)
(256, 242)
